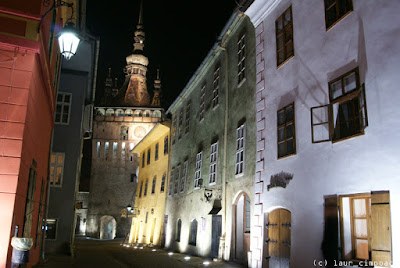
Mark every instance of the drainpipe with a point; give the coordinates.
(224, 206)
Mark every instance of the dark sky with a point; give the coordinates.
(179, 35)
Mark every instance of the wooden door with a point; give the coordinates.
(215, 234)
(278, 239)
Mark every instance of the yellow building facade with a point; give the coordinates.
(148, 211)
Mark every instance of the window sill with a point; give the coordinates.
(283, 63)
(241, 82)
(196, 188)
(286, 156)
(348, 137)
(338, 20)
(212, 183)
(215, 107)
(239, 175)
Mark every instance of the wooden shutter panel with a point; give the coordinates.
(330, 243)
(320, 126)
(284, 237)
(381, 233)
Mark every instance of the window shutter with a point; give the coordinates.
(330, 243)
(320, 124)
(362, 108)
(284, 237)
(381, 238)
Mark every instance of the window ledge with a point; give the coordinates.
(241, 82)
(239, 175)
(196, 188)
(338, 20)
(215, 107)
(349, 137)
(212, 183)
(283, 63)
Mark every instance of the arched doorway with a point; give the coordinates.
(279, 238)
(241, 230)
(108, 227)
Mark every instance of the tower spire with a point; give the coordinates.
(139, 33)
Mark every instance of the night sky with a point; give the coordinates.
(179, 35)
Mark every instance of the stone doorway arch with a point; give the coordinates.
(108, 227)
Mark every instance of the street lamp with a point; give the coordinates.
(68, 38)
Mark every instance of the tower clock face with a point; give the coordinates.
(139, 132)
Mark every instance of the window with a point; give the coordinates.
(215, 88)
(124, 132)
(63, 108)
(197, 174)
(147, 216)
(176, 180)
(153, 186)
(193, 233)
(286, 131)
(364, 226)
(346, 115)
(213, 163)
(148, 156)
(98, 150)
(56, 168)
(202, 101)
(335, 10)
(162, 184)
(187, 118)
(173, 131)
(141, 188)
(123, 151)
(284, 37)
(51, 228)
(145, 188)
(30, 201)
(241, 58)
(180, 128)
(165, 145)
(115, 148)
(178, 230)
(183, 178)
(133, 177)
(106, 150)
(156, 152)
(143, 158)
(240, 145)
(171, 182)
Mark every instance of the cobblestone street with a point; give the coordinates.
(109, 253)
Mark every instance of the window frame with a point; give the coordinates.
(148, 156)
(197, 174)
(176, 180)
(216, 84)
(171, 183)
(146, 185)
(284, 125)
(278, 33)
(241, 63)
(143, 159)
(339, 5)
(156, 151)
(187, 117)
(240, 150)
(183, 177)
(193, 232)
(153, 185)
(162, 187)
(61, 104)
(52, 177)
(355, 95)
(212, 178)
(202, 109)
(166, 145)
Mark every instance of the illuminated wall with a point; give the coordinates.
(148, 213)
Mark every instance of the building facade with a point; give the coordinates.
(213, 151)
(124, 118)
(73, 123)
(29, 68)
(327, 180)
(149, 203)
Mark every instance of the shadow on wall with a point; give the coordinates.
(108, 227)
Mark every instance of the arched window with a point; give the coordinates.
(137, 113)
(193, 232)
(119, 112)
(128, 112)
(147, 113)
(157, 114)
(110, 112)
(178, 230)
(100, 112)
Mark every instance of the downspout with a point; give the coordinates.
(224, 206)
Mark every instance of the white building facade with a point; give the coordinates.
(327, 185)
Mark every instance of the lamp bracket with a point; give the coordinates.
(56, 4)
